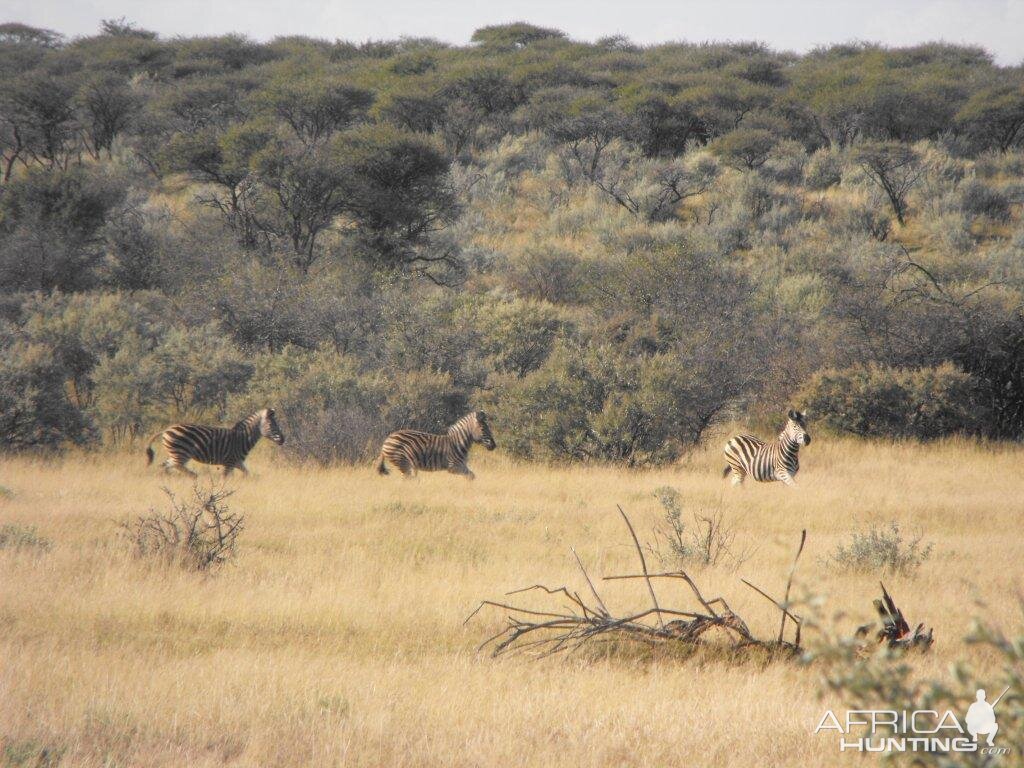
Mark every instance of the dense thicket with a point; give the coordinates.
(609, 247)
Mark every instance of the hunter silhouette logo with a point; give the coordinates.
(981, 717)
(924, 730)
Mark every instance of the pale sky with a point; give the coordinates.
(997, 25)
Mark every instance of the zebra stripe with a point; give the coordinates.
(766, 462)
(224, 446)
(410, 450)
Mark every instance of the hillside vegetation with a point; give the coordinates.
(611, 248)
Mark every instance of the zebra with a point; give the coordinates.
(410, 450)
(226, 446)
(765, 462)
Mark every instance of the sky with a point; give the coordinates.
(795, 25)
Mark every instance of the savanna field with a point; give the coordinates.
(336, 636)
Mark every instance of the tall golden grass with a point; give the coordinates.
(337, 636)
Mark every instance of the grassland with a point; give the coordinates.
(337, 636)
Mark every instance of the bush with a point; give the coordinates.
(979, 199)
(548, 274)
(744, 148)
(328, 410)
(875, 401)
(518, 336)
(786, 163)
(880, 549)
(49, 227)
(949, 232)
(824, 169)
(34, 408)
(191, 372)
(595, 404)
(22, 537)
(706, 543)
(198, 533)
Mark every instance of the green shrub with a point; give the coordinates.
(328, 410)
(190, 373)
(517, 336)
(823, 169)
(880, 550)
(595, 404)
(874, 401)
(34, 408)
(744, 148)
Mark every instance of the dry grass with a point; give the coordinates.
(337, 637)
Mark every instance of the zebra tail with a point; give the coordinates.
(149, 447)
(726, 471)
(381, 467)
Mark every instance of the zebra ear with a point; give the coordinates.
(794, 414)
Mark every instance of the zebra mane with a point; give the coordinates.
(465, 422)
(250, 423)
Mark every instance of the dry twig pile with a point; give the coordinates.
(581, 620)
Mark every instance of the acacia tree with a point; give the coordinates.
(305, 184)
(994, 116)
(895, 168)
(107, 105)
(396, 189)
(39, 111)
(313, 104)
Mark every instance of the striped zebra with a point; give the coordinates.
(224, 446)
(410, 451)
(765, 462)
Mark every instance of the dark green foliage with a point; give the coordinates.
(50, 228)
(517, 35)
(34, 410)
(610, 247)
(872, 401)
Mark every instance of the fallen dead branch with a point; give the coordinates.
(577, 622)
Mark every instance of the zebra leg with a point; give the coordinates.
(786, 478)
(172, 464)
(463, 470)
(406, 466)
(738, 477)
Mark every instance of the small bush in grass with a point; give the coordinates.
(979, 199)
(197, 533)
(22, 537)
(881, 549)
(707, 542)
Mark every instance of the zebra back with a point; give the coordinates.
(411, 449)
(224, 446)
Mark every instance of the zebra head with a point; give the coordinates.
(269, 428)
(796, 428)
(482, 432)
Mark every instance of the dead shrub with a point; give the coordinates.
(197, 533)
